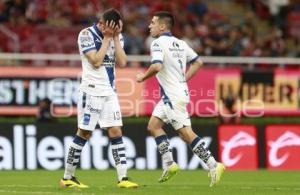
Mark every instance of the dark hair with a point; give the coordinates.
(165, 17)
(112, 15)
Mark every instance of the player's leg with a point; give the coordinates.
(86, 124)
(155, 128)
(112, 120)
(197, 145)
(72, 160)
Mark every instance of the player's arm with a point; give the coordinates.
(194, 67)
(121, 57)
(151, 71)
(194, 60)
(96, 58)
(88, 47)
(157, 57)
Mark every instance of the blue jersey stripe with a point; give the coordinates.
(97, 41)
(156, 62)
(193, 60)
(111, 75)
(165, 98)
(98, 31)
(83, 100)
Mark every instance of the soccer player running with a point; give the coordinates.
(100, 47)
(169, 57)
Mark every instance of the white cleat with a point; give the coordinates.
(169, 172)
(215, 174)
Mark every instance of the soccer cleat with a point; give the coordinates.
(215, 174)
(125, 183)
(70, 183)
(169, 172)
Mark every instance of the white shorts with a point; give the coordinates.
(172, 113)
(104, 110)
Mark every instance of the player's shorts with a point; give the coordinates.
(173, 113)
(102, 110)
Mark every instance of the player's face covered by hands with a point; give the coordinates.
(118, 28)
(108, 28)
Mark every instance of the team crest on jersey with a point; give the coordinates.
(156, 48)
(86, 119)
(85, 32)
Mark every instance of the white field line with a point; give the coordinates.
(19, 192)
(27, 186)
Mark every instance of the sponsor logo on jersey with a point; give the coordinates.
(86, 119)
(84, 45)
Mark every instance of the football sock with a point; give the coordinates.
(118, 153)
(165, 150)
(203, 153)
(73, 157)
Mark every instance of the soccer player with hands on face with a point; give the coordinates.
(100, 47)
(169, 57)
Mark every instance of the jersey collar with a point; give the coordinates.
(169, 34)
(97, 30)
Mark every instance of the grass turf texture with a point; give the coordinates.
(185, 183)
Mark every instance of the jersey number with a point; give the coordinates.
(117, 115)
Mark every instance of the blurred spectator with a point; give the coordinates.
(134, 42)
(235, 41)
(3, 11)
(217, 42)
(191, 39)
(44, 113)
(208, 31)
(198, 7)
(276, 42)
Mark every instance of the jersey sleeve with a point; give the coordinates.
(86, 41)
(191, 55)
(157, 55)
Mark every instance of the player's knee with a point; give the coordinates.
(183, 137)
(84, 134)
(150, 128)
(115, 132)
(187, 135)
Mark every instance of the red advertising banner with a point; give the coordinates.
(21, 89)
(283, 147)
(238, 147)
(255, 93)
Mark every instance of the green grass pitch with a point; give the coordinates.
(185, 183)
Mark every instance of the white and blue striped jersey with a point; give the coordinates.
(174, 54)
(97, 81)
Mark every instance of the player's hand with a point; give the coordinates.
(140, 77)
(109, 28)
(118, 28)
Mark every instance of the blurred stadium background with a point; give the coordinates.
(245, 101)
